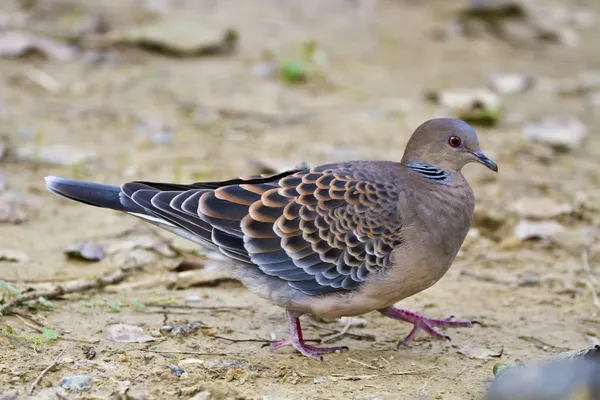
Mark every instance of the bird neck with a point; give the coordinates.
(430, 172)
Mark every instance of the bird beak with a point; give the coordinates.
(485, 160)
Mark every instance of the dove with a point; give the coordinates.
(336, 240)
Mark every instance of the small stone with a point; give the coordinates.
(264, 69)
(186, 329)
(537, 229)
(224, 365)
(15, 209)
(540, 208)
(529, 280)
(205, 395)
(353, 321)
(9, 395)
(162, 137)
(477, 106)
(561, 132)
(13, 256)
(193, 299)
(126, 334)
(85, 250)
(57, 154)
(180, 35)
(506, 83)
(176, 370)
(76, 383)
(14, 44)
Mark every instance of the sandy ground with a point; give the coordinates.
(533, 297)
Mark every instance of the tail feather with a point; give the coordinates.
(94, 194)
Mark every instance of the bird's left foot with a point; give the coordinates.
(421, 323)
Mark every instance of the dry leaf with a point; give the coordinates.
(479, 353)
(126, 334)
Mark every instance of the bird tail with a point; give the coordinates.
(94, 194)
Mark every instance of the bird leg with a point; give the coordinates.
(423, 323)
(295, 340)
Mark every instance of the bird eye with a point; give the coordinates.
(454, 141)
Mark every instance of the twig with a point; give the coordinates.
(48, 368)
(190, 307)
(242, 340)
(364, 364)
(21, 318)
(196, 353)
(338, 335)
(112, 279)
(591, 282)
(367, 337)
(339, 377)
(533, 339)
(486, 278)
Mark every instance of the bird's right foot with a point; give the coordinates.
(297, 342)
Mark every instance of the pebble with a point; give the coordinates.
(525, 230)
(9, 395)
(85, 250)
(560, 132)
(205, 395)
(477, 106)
(540, 208)
(13, 256)
(76, 383)
(176, 370)
(57, 154)
(509, 83)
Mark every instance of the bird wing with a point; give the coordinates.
(322, 230)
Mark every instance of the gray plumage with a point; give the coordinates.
(335, 240)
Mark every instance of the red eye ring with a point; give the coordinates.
(454, 141)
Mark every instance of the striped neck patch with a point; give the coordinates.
(429, 171)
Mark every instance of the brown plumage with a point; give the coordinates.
(335, 240)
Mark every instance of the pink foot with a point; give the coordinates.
(423, 323)
(295, 340)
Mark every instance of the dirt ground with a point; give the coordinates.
(220, 119)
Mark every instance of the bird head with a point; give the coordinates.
(446, 143)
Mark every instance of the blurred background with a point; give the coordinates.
(189, 90)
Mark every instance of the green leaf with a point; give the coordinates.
(45, 303)
(112, 305)
(49, 333)
(292, 71)
(137, 303)
(309, 48)
(86, 304)
(9, 288)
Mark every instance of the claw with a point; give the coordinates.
(297, 342)
(421, 323)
